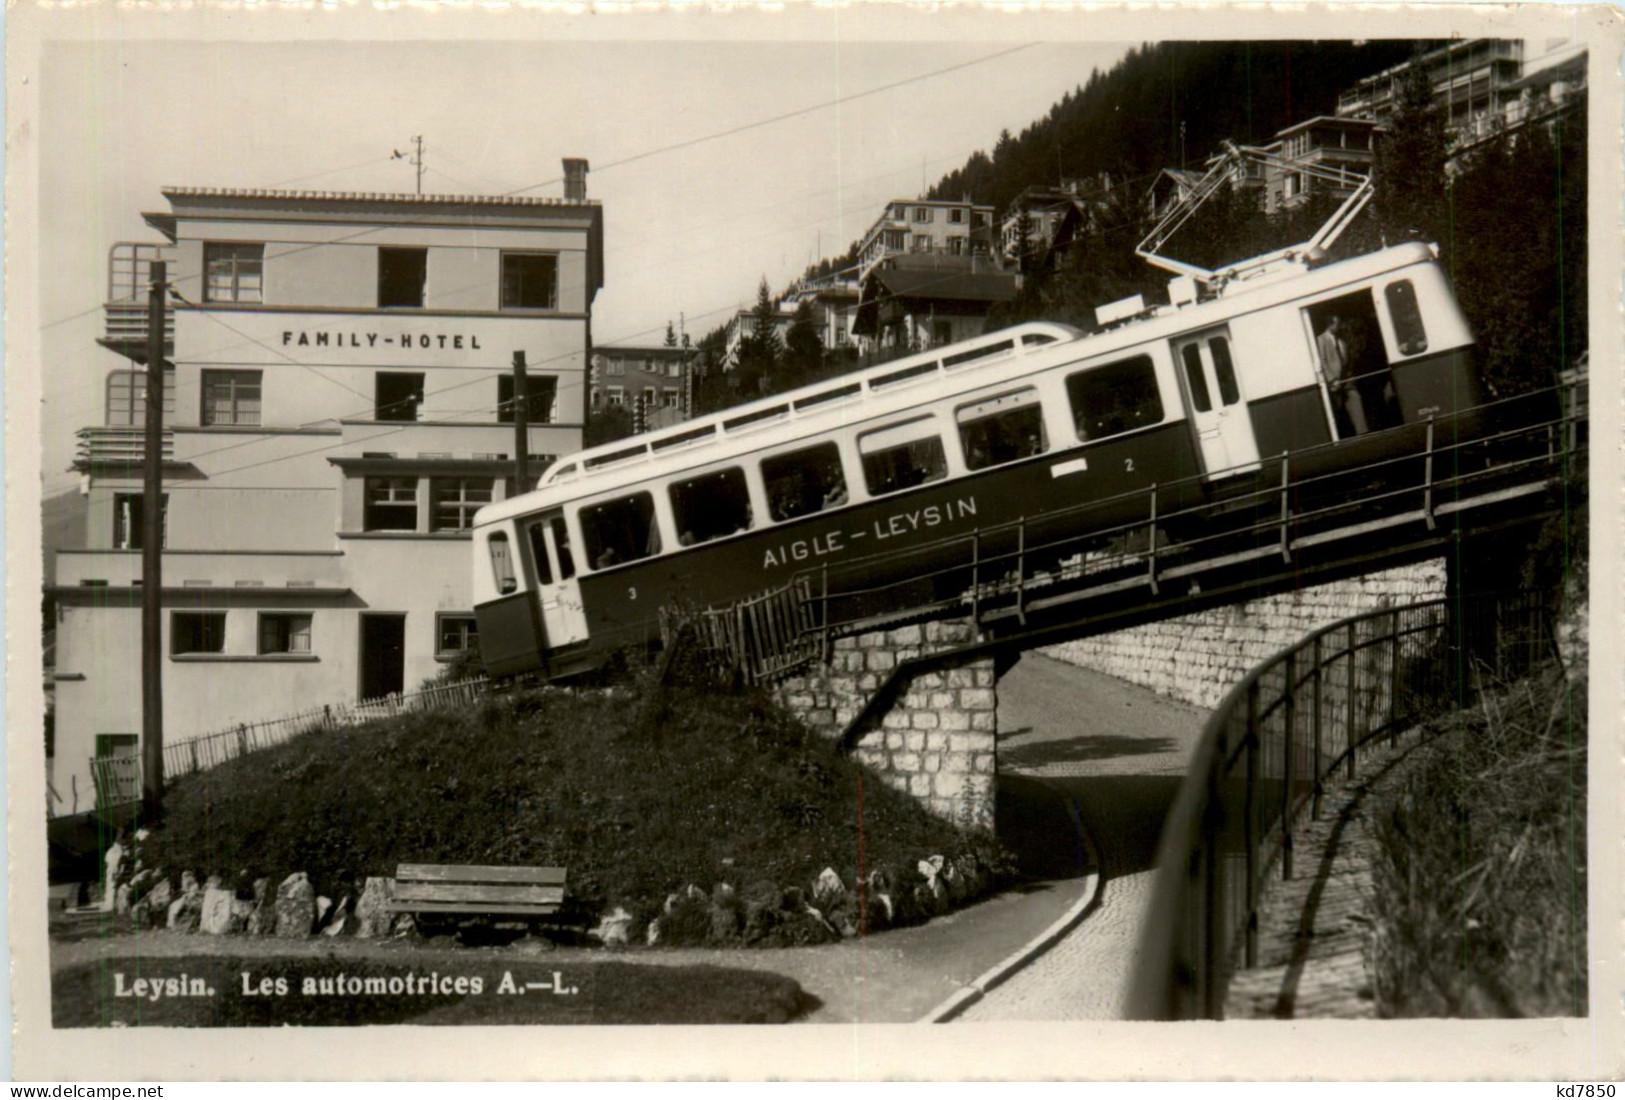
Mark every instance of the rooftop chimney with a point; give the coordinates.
(575, 178)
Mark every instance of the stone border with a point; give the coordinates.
(973, 991)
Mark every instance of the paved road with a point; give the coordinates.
(1116, 753)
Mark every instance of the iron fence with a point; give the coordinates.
(1266, 755)
(118, 778)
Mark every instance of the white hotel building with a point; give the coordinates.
(340, 404)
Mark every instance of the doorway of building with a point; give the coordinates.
(383, 655)
(118, 769)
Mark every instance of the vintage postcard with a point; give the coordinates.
(845, 541)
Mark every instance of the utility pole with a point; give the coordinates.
(521, 421)
(152, 561)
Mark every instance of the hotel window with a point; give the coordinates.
(397, 396)
(669, 397)
(922, 243)
(127, 398)
(540, 390)
(674, 370)
(456, 634)
(284, 634)
(233, 272)
(128, 517)
(956, 216)
(530, 280)
(231, 398)
(614, 366)
(649, 397)
(454, 500)
(391, 504)
(197, 632)
(402, 275)
(922, 213)
(895, 240)
(616, 396)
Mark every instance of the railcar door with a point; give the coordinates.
(558, 592)
(1217, 407)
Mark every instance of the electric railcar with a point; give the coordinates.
(1030, 420)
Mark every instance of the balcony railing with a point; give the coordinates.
(129, 275)
(117, 447)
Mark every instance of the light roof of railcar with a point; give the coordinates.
(814, 410)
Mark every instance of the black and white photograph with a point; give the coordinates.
(1067, 528)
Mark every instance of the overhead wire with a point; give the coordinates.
(645, 155)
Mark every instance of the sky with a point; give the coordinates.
(688, 230)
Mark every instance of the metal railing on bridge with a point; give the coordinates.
(1063, 563)
(1266, 754)
(118, 778)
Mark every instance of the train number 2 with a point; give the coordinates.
(1128, 465)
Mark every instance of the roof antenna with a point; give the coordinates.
(415, 159)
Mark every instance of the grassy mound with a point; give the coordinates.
(1480, 875)
(637, 798)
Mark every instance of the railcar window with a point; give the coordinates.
(1407, 317)
(803, 482)
(1191, 356)
(621, 530)
(1002, 429)
(902, 456)
(978, 353)
(538, 551)
(711, 506)
(561, 542)
(502, 562)
(1117, 397)
(1229, 393)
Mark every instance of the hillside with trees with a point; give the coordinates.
(1509, 218)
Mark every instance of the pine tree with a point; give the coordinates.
(759, 349)
(1408, 174)
(803, 350)
(671, 335)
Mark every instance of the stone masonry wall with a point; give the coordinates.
(1197, 658)
(936, 740)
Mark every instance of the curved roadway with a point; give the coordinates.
(1079, 744)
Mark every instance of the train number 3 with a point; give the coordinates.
(631, 593)
(1128, 465)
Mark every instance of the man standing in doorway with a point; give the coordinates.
(1335, 362)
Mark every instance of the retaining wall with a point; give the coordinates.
(936, 739)
(1197, 658)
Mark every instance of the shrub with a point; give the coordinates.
(1480, 876)
(554, 777)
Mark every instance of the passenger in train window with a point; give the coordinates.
(803, 482)
(621, 530)
(1114, 398)
(991, 438)
(977, 454)
(1336, 368)
(710, 506)
(905, 466)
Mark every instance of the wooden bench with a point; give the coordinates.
(436, 889)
